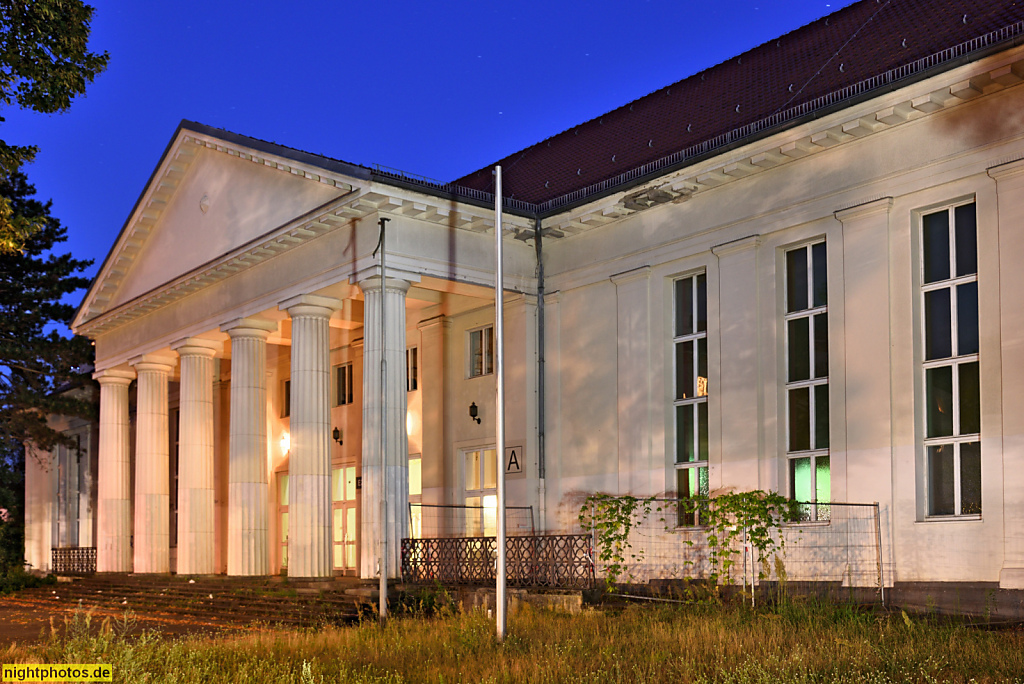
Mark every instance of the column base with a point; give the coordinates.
(1011, 578)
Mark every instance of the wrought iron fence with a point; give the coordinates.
(564, 561)
(73, 560)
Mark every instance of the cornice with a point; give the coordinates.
(887, 111)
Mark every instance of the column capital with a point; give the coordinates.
(372, 271)
(1006, 170)
(249, 327)
(631, 275)
(437, 322)
(160, 363)
(743, 244)
(865, 209)
(373, 284)
(196, 346)
(310, 305)
(114, 376)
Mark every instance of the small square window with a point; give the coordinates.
(343, 390)
(481, 352)
(412, 369)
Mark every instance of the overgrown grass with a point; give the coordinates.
(703, 643)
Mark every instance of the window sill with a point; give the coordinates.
(948, 518)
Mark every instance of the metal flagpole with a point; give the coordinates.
(499, 373)
(383, 562)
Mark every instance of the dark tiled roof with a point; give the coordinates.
(858, 42)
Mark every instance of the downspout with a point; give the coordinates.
(541, 465)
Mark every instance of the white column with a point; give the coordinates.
(152, 466)
(248, 551)
(397, 440)
(114, 525)
(195, 457)
(309, 466)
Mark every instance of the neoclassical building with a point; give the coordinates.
(794, 271)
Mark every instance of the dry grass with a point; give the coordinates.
(798, 643)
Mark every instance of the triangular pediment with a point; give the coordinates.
(208, 197)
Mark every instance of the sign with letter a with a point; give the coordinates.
(514, 460)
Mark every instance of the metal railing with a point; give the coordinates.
(563, 561)
(73, 560)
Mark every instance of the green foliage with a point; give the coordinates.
(804, 642)
(44, 64)
(611, 518)
(724, 519)
(38, 365)
(728, 517)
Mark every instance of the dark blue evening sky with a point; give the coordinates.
(430, 87)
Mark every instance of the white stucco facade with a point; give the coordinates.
(258, 262)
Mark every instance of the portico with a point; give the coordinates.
(240, 375)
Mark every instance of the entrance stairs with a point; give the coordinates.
(212, 600)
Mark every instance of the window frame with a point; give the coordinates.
(412, 368)
(482, 492)
(342, 376)
(486, 333)
(819, 511)
(954, 361)
(699, 398)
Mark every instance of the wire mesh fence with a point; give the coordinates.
(838, 543)
(437, 521)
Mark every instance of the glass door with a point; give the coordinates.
(343, 494)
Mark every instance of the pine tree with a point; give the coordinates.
(44, 64)
(40, 368)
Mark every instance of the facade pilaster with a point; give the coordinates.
(114, 524)
(865, 258)
(434, 368)
(1009, 180)
(152, 466)
(195, 458)
(248, 550)
(633, 370)
(310, 548)
(395, 467)
(739, 306)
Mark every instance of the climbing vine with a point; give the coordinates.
(610, 519)
(724, 520)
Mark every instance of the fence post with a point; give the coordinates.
(878, 553)
(593, 542)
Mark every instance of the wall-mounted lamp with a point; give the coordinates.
(286, 442)
(337, 434)
(474, 412)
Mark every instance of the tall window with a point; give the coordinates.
(949, 291)
(415, 496)
(286, 399)
(343, 384)
(806, 322)
(691, 392)
(412, 369)
(481, 492)
(481, 351)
